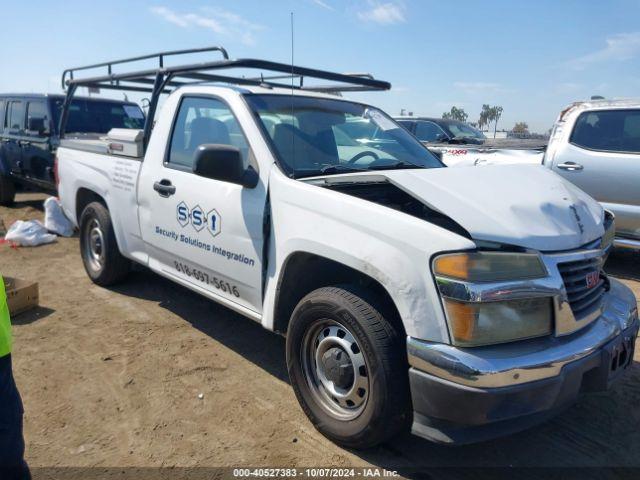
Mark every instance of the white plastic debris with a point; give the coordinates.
(29, 234)
(54, 219)
(201, 396)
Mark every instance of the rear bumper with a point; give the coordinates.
(469, 395)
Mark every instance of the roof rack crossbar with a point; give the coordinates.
(334, 88)
(365, 82)
(160, 56)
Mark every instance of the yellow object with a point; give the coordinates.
(462, 319)
(5, 323)
(454, 266)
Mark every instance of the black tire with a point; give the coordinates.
(386, 411)
(101, 256)
(7, 191)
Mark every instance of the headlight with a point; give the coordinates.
(484, 323)
(489, 266)
(475, 324)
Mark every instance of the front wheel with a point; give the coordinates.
(102, 259)
(348, 368)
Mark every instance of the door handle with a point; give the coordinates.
(571, 166)
(164, 188)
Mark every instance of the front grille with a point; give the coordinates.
(582, 297)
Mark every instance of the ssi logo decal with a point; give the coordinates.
(198, 219)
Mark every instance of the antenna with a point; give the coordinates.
(293, 137)
(292, 67)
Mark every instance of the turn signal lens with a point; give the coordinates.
(476, 324)
(489, 266)
(455, 266)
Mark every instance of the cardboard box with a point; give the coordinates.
(21, 295)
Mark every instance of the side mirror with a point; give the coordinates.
(223, 162)
(35, 124)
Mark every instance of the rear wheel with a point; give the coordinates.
(347, 367)
(7, 191)
(102, 259)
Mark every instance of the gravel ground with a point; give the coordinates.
(112, 377)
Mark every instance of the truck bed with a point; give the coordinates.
(82, 167)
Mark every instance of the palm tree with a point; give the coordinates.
(485, 116)
(496, 113)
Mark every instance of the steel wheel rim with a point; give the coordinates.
(94, 245)
(335, 369)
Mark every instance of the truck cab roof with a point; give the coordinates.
(601, 104)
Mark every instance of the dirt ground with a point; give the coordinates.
(112, 377)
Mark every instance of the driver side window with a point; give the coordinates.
(202, 120)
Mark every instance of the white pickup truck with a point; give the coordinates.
(461, 302)
(594, 144)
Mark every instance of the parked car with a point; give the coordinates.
(469, 303)
(440, 130)
(459, 144)
(29, 134)
(596, 146)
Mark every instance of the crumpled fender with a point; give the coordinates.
(393, 248)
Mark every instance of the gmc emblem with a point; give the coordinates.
(592, 279)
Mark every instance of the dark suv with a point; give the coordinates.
(29, 134)
(440, 130)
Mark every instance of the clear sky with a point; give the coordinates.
(530, 57)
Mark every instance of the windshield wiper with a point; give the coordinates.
(340, 169)
(395, 166)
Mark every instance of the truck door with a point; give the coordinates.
(37, 158)
(602, 157)
(13, 133)
(205, 233)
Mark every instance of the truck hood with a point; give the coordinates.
(523, 205)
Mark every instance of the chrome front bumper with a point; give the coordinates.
(463, 395)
